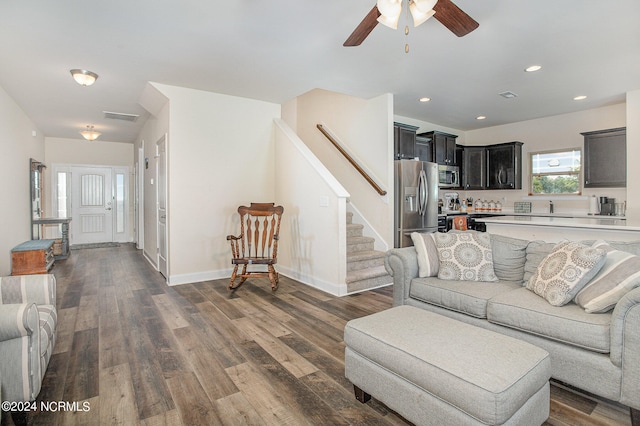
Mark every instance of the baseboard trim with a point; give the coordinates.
(328, 287)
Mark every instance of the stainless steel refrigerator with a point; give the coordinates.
(416, 199)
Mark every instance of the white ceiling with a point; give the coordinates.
(275, 50)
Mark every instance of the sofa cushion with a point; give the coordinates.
(523, 310)
(460, 296)
(536, 252)
(509, 257)
(427, 254)
(465, 256)
(565, 271)
(619, 275)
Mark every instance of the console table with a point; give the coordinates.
(32, 257)
(64, 229)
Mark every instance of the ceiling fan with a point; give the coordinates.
(387, 12)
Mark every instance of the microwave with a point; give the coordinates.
(448, 176)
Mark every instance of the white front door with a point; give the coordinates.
(161, 186)
(92, 209)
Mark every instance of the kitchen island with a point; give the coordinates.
(555, 228)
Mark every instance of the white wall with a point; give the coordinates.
(155, 127)
(17, 145)
(312, 245)
(365, 127)
(633, 154)
(80, 151)
(221, 156)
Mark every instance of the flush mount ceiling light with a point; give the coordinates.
(425, 99)
(580, 98)
(90, 134)
(481, 117)
(533, 68)
(84, 77)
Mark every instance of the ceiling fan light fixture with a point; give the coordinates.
(84, 77)
(390, 11)
(90, 134)
(421, 10)
(419, 17)
(391, 22)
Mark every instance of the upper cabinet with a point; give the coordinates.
(423, 148)
(492, 167)
(443, 147)
(605, 158)
(504, 166)
(474, 167)
(404, 141)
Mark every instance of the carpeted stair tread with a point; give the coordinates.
(354, 230)
(363, 274)
(364, 255)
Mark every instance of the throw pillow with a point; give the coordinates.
(428, 262)
(565, 271)
(465, 256)
(619, 275)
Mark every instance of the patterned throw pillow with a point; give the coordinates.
(465, 256)
(428, 262)
(619, 275)
(565, 271)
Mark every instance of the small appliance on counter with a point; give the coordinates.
(607, 206)
(451, 201)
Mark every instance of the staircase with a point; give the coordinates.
(365, 266)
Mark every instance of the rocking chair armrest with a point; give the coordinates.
(233, 237)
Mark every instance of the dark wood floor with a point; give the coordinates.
(136, 352)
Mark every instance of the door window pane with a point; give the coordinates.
(119, 207)
(62, 202)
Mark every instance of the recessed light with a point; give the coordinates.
(480, 117)
(425, 99)
(579, 98)
(533, 68)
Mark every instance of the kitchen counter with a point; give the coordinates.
(555, 228)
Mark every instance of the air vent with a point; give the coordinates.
(508, 95)
(120, 116)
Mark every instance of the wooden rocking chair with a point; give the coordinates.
(257, 243)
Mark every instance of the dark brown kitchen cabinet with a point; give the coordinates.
(605, 158)
(423, 148)
(443, 147)
(404, 141)
(474, 167)
(504, 166)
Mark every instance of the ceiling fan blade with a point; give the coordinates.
(454, 18)
(364, 28)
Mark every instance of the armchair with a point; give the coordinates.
(28, 320)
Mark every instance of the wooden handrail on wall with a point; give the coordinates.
(351, 160)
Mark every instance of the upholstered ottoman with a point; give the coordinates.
(434, 370)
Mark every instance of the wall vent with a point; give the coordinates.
(120, 116)
(508, 95)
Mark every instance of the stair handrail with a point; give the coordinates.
(351, 160)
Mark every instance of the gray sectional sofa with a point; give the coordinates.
(599, 353)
